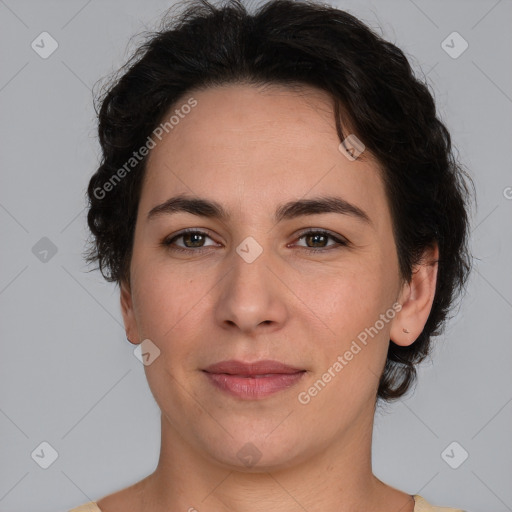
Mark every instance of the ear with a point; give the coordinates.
(416, 298)
(130, 324)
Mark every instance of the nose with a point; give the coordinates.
(251, 297)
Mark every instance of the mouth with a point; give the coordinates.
(253, 381)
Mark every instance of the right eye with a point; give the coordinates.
(194, 238)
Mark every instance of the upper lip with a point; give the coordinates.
(234, 367)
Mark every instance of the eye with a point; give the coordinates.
(319, 237)
(193, 239)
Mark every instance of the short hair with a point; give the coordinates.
(294, 43)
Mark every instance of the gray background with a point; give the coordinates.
(69, 377)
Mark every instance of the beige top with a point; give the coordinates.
(421, 505)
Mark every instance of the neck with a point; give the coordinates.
(338, 479)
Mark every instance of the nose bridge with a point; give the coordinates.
(249, 262)
(250, 294)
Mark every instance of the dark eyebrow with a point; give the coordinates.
(212, 209)
(193, 205)
(329, 204)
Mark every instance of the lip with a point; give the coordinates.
(263, 367)
(253, 381)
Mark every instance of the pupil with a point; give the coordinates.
(316, 236)
(194, 235)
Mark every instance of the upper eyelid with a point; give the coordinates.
(172, 238)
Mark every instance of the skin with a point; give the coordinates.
(252, 149)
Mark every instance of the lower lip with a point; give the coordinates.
(253, 388)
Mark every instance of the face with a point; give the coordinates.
(297, 285)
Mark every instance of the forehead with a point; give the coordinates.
(253, 145)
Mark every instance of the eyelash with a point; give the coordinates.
(167, 242)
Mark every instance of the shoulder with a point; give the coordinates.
(86, 507)
(120, 500)
(422, 505)
(124, 500)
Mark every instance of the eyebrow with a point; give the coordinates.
(290, 210)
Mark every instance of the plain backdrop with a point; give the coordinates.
(68, 377)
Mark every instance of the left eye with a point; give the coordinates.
(193, 236)
(319, 237)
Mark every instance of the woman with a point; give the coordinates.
(283, 213)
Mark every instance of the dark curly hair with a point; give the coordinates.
(292, 43)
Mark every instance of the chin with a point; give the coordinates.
(256, 453)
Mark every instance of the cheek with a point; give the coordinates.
(167, 303)
(355, 346)
(350, 299)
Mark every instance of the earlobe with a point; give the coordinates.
(128, 313)
(416, 298)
